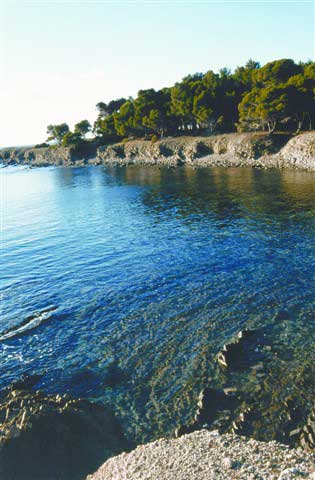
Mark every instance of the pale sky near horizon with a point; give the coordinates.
(59, 58)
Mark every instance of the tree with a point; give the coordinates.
(57, 132)
(82, 128)
(182, 97)
(101, 107)
(113, 106)
(204, 110)
(276, 72)
(143, 104)
(124, 120)
(244, 76)
(71, 139)
(228, 96)
(301, 101)
(155, 122)
(290, 103)
(278, 94)
(265, 107)
(105, 128)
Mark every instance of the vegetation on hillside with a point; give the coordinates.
(278, 95)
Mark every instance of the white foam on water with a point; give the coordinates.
(34, 322)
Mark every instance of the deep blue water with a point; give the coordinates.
(151, 271)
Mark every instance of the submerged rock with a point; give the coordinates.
(49, 437)
(307, 437)
(248, 395)
(215, 409)
(241, 352)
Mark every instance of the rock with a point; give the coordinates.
(307, 437)
(291, 474)
(299, 152)
(204, 456)
(49, 155)
(234, 355)
(214, 408)
(282, 315)
(45, 437)
(231, 149)
(228, 463)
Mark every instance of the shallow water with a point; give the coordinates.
(152, 270)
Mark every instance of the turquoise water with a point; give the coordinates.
(145, 273)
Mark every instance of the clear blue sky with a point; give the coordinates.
(59, 58)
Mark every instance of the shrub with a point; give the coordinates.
(41, 145)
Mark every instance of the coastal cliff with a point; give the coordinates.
(235, 149)
(225, 149)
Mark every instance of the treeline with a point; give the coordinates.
(277, 96)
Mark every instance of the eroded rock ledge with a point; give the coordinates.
(235, 149)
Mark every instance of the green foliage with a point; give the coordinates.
(82, 128)
(283, 94)
(63, 136)
(71, 139)
(280, 94)
(276, 72)
(124, 120)
(57, 132)
(104, 110)
(105, 127)
(41, 145)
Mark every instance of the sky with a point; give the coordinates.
(59, 58)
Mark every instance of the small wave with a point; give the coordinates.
(28, 324)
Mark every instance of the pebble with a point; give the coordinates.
(292, 473)
(206, 455)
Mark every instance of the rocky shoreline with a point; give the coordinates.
(235, 149)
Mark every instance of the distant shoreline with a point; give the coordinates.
(234, 149)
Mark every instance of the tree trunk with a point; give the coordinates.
(300, 122)
(271, 126)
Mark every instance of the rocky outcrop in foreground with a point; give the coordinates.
(50, 437)
(234, 149)
(207, 455)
